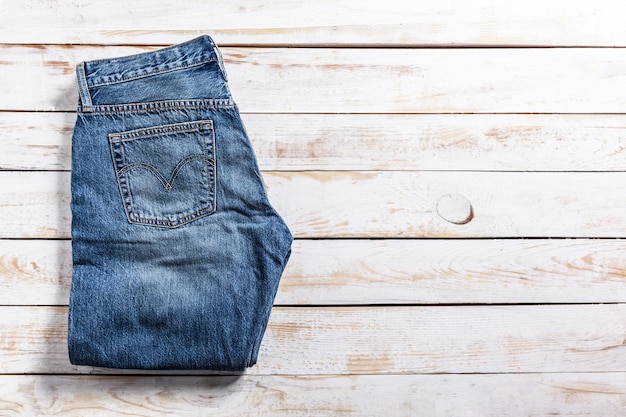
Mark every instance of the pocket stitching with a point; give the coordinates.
(202, 127)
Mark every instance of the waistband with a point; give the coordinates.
(100, 72)
(197, 51)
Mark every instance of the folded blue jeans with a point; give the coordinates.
(177, 252)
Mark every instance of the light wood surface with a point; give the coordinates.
(572, 394)
(454, 173)
(382, 340)
(357, 80)
(378, 204)
(398, 142)
(322, 23)
(388, 271)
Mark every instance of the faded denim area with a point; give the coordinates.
(177, 252)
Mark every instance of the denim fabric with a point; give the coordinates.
(177, 252)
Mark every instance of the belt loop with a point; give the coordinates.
(83, 89)
(220, 58)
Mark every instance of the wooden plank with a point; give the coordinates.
(292, 142)
(36, 272)
(379, 204)
(28, 194)
(38, 141)
(377, 340)
(538, 395)
(324, 22)
(275, 80)
(353, 272)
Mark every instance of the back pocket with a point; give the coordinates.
(166, 174)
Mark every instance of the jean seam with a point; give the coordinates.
(182, 127)
(211, 172)
(160, 105)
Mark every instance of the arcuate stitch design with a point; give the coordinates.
(167, 184)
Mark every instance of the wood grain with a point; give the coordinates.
(533, 395)
(382, 340)
(371, 204)
(355, 272)
(324, 22)
(293, 142)
(364, 116)
(275, 80)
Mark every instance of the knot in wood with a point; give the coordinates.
(455, 208)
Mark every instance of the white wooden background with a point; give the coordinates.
(364, 116)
